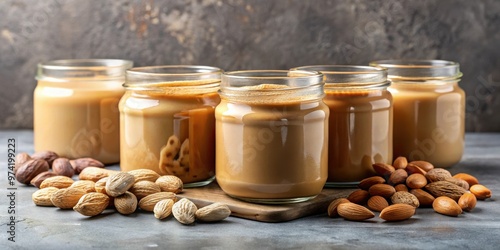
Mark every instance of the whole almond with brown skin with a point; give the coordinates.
(61, 166)
(82, 163)
(354, 212)
(41, 197)
(148, 203)
(425, 199)
(100, 185)
(437, 174)
(41, 177)
(398, 176)
(30, 169)
(92, 204)
(170, 183)
(400, 162)
(377, 203)
(119, 183)
(88, 186)
(426, 166)
(163, 209)
(48, 156)
(481, 192)
(397, 212)
(94, 173)
(366, 183)
(384, 190)
(471, 180)
(458, 182)
(126, 203)
(444, 188)
(214, 212)
(20, 159)
(332, 208)
(416, 181)
(359, 196)
(414, 169)
(184, 211)
(144, 175)
(58, 181)
(142, 189)
(467, 202)
(401, 187)
(447, 206)
(402, 197)
(66, 198)
(383, 169)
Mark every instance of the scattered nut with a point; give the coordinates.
(142, 189)
(81, 163)
(119, 183)
(437, 174)
(414, 169)
(447, 206)
(402, 197)
(184, 211)
(424, 199)
(467, 202)
(42, 196)
(21, 158)
(471, 180)
(215, 212)
(359, 197)
(481, 192)
(41, 177)
(332, 208)
(383, 169)
(144, 174)
(58, 181)
(444, 188)
(170, 183)
(148, 203)
(377, 203)
(48, 156)
(398, 176)
(66, 198)
(401, 187)
(458, 182)
(354, 212)
(383, 190)
(163, 209)
(92, 204)
(86, 185)
(426, 166)
(61, 166)
(400, 162)
(397, 212)
(125, 203)
(30, 169)
(416, 181)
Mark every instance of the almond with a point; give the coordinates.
(402, 197)
(21, 158)
(142, 189)
(163, 209)
(86, 185)
(92, 204)
(414, 169)
(359, 197)
(41, 177)
(400, 162)
(383, 169)
(148, 203)
(447, 206)
(125, 203)
(30, 169)
(354, 212)
(61, 166)
(398, 176)
(458, 182)
(471, 180)
(66, 198)
(184, 211)
(437, 174)
(481, 192)
(426, 166)
(467, 202)
(48, 156)
(214, 212)
(377, 203)
(170, 183)
(401, 187)
(57, 181)
(42, 196)
(397, 212)
(100, 185)
(144, 175)
(81, 163)
(444, 188)
(415, 181)
(332, 208)
(383, 190)
(94, 173)
(119, 183)
(424, 199)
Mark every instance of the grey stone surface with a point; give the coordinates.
(52, 228)
(254, 34)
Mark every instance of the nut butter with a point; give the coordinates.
(76, 108)
(167, 121)
(360, 125)
(429, 110)
(271, 136)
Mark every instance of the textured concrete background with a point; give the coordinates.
(255, 34)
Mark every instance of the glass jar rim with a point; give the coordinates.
(416, 69)
(293, 79)
(83, 69)
(350, 76)
(172, 73)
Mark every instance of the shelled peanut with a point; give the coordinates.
(99, 188)
(399, 189)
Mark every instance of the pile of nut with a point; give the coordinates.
(401, 188)
(98, 189)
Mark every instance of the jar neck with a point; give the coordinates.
(83, 70)
(421, 71)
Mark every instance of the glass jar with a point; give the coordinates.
(360, 126)
(76, 108)
(429, 110)
(167, 121)
(272, 132)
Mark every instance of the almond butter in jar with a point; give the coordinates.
(429, 110)
(76, 108)
(360, 126)
(167, 121)
(272, 132)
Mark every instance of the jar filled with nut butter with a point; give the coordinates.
(76, 108)
(167, 121)
(429, 110)
(360, 126)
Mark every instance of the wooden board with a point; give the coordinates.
(207, 195)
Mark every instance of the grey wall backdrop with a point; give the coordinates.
(257, 34)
